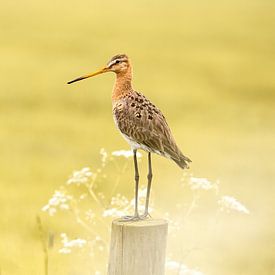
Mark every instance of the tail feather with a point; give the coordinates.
(182, 161)
(173, 152)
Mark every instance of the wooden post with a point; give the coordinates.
(138, 248)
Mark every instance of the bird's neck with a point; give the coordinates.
(123, 85)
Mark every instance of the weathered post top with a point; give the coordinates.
(138, 248)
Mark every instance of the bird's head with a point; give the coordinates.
(118, 64)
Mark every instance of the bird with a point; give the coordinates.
(141, 123)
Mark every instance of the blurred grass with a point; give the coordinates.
(208, 65)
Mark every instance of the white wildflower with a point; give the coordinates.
(201, 183)
(228, 203)
(181, 268)
(119, 201)
(120, 207)
(126, 154)
(59, 200)
(68, 244)
(80, 177)
(104, 156)
(114, 212)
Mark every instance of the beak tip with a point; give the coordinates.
(72, 81)
(86, 76)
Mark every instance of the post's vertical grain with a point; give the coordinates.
(138, 248)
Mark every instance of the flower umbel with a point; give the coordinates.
(114, 212)
(59, 200)
(228, 203)
(201, 183)
(80, 177)
(120, 207)
(119, 201)
(68, 244)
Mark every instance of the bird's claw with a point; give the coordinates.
(145, 216)
(136, 217)
(130, 218)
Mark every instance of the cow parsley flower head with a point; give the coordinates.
(68, 244)
(125, 153)
(80, 177)
(228, 203)
(201, 183)
(120, 207)
(59, 200)
(114, 212)
(119, 201)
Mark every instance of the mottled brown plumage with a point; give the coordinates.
(140, 122)
(144, 126)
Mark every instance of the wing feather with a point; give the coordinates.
(142, 122)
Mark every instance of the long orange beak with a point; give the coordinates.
(104, 70)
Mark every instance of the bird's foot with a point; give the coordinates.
(134, 218)
(145, 216)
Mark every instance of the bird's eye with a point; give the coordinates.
(117, 61)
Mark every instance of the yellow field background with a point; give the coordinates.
(208, 65)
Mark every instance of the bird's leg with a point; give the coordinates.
(136, 180)
(136, 215)
(149, 177)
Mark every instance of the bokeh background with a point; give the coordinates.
(209, 65)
